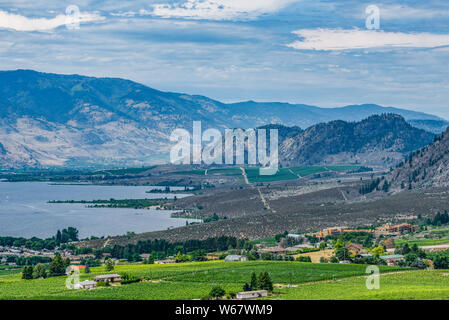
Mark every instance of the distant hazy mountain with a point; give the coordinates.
(434, 126)
(51, 120)
(377, 140)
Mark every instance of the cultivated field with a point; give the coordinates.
(411, 285)
(188, 281)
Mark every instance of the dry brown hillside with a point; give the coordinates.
(425, 168)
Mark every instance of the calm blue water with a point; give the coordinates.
(24, 211)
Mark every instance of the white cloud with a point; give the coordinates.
(21, 23)
(218, 9)
(339, 39)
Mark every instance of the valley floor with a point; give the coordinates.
(194, 280)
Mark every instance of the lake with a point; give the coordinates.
(24, 211)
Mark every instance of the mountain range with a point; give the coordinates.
(381, 140)
(424, 168)
(54, 120)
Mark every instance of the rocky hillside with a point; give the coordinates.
(54, 120)
(377, 140)
(427, 167)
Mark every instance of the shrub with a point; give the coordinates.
(304, 259)
(217, 292)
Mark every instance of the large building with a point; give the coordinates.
(394, 229)
(336, 231)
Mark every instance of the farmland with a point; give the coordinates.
(283, 174)
(422, 242)
(184, 281)
(412, 285)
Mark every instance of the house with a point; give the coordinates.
(111, 277)
(88, 284)
(299, 247)
(354, 248)
(389, 243)
(392, 258)
(251, 294)
(234, 257)
(364, 255)
(168, 261)
(275, 250)
(296, 236)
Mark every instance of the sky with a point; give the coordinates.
(318, 52)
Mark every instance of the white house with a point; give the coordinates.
(234, 257)
(85, 285)
(251, 294)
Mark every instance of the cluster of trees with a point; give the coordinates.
(304, 259)
(25, 261)
(57, 267)
(370, 187)
(39, 271)
(64, 236)
(164, 248)
(413, 256)
(214, 217)
(260, 282)
(362, 237)
(197, 255)
(32, 244)
(90, 262)
(440, 260)
(439, 219)
(217, 292)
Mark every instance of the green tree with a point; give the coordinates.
(179, 258)
(66, 263)
(217, 292)
(39, 271)
(303, 259)
(265, 282)
(58, 237)
(109, 265)
(339, 244)
(378, 251)
(57, 267)
(406, 249)
(342, 253)
(87, 269)
(254, 284)
(27, 273)
(151, 258)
